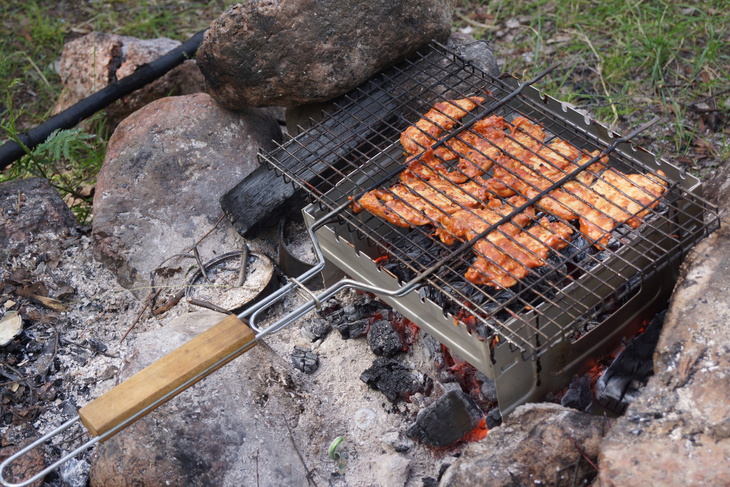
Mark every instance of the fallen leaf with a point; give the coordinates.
(51, 303)
(703, 147)
(682, 159)
(10, 326)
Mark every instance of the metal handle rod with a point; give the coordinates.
(88, 444)
(251, 314)
(37, 443)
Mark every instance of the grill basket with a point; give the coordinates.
(531, 338)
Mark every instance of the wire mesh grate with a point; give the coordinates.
(357, 151)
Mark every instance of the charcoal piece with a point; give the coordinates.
(494, 418)
(578, 250)
(398, 441)
(434, 350)
(391, 378)
(414, 250)
(401, 272)
(621, 382)
(316, 329)
(489, 300)
(418, 246)
(578, 396)
(351, 312)
(488, 389)
(304, 360)
(364, 307)
(544, 279)
(96, 345)
(353, 329)
(384, 339)
(447, 420)
(434, 482)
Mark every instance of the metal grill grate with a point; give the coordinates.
(356, 149)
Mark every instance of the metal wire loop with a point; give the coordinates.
(301, 287)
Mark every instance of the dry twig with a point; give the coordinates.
(150, 297)
(582, 453)
(206, 304)
(310, 473)
(167, 305)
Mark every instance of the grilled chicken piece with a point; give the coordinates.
(476, 148)
(537, 170)
(617, 198)
(443, 116)
(571, 199)
(417, 202)
(382, 203)
(459, 201)
(426, 166)
(504, 259)
(467, 223)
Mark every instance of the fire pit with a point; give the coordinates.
(530, 334)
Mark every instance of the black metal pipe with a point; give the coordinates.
(12, 151)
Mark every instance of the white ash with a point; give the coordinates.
(298, 243)
(334, 401)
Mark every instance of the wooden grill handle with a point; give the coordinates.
(167, 374)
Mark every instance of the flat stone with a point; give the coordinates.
(165, 169)
(268, 53)
(91, 62)
(538, 444)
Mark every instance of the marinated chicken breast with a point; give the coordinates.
(476, 185)
(442, 117)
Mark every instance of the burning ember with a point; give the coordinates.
(614, 380)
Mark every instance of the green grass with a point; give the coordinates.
(32, 35)
(625, 61)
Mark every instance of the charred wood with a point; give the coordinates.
(630, 371)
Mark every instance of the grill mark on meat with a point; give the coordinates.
(504, 259)
(442, 117)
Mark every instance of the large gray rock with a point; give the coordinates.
(89, 63)
(678, 432)
(538, 444)
(300, 117)
(34, 220)
(304, 51)
(165, 169)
